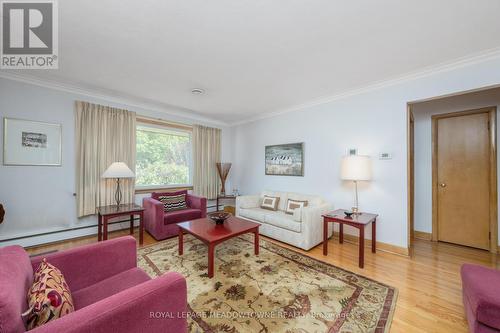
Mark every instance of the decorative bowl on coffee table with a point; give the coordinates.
(219, 217)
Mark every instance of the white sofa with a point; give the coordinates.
(303, 229)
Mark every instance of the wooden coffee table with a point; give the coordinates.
(212, 234)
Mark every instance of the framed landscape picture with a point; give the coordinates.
(285, 160)
(28, 142)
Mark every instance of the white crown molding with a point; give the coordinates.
(426, 72)
(112, 97)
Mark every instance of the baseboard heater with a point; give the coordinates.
(209, 208)
(65, 230)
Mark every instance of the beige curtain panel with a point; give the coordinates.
(103, 135)
(206, 153)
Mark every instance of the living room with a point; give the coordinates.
(312, 127)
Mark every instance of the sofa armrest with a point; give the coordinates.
(480, 294)
(297, 214)
(197, 202)
(158, 305)
(153, 207)
(312, 216)
(153, 213)
(86, 265)
(312, 223)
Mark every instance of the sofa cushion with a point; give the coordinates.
(156, 195)
(256, 214)
(109, 287)
(481, 288)
(49, 298)
(181, 215)
(248, 201)
(16, 277)
(282, 195)
(282, 220)
(312, 200)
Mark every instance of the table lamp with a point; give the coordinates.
(118, 170)
(356, 168)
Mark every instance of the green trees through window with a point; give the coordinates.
(163, 157)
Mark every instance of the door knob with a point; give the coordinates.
(442, 185)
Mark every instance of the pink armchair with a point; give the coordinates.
(161, 224)
(111, 294)
(481, 297)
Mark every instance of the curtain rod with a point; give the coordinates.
(161, 122)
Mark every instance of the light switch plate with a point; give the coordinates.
(352, 151)
(385, 156)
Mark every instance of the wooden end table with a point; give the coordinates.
(224, 197)
(212, 234)
(104, 213)
(359, 221)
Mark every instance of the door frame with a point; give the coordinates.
(492, 112)
(410, 141)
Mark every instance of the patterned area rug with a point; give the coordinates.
(278, 291)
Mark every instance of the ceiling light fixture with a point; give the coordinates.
(197, 91)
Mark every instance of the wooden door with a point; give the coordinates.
(463, 179)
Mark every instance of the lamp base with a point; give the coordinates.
(118, 193)
(355, 211)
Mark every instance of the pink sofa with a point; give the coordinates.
(111, 294)
(481, 297)
(161, 224)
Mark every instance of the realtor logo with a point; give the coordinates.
(29, 34)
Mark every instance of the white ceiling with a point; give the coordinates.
(260, 56)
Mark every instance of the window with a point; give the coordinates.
(163, 157)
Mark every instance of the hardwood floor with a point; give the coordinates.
(430, 296)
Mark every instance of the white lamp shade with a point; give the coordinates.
(356, 167)
(118, 170)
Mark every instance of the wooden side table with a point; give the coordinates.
(359, 221)
(224, 197)
(104, 213)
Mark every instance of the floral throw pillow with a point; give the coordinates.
(49, 297)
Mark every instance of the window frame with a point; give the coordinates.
(161, 125)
